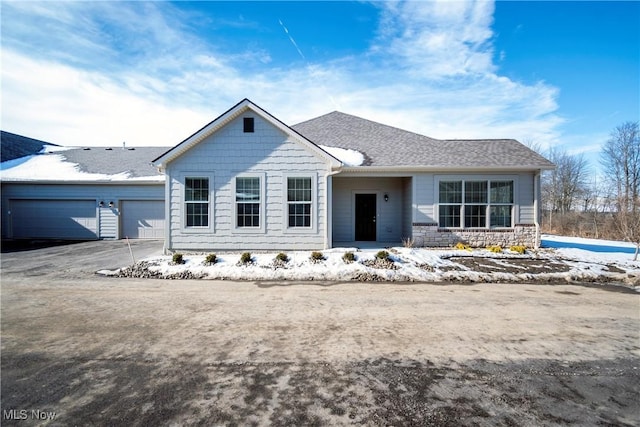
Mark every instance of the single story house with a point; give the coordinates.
(247, 181)
(53, 192)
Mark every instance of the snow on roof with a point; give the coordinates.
(346, 156)
(387, 146)
(13, 146)
(57, 167)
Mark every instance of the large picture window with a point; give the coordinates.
(248, 202)
(299, 202)
(196, 198)
(475, 203)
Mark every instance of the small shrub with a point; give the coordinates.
(317, 256)
(177, 258)
(211, 259)
(521, 249)
(282, 257)
(348, 257)
(462, 247)
(408, 242)
(496, 249)
(384, 255)
(246, 258)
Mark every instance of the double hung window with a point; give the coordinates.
(248, 200)
(196, 199)
(299, 202)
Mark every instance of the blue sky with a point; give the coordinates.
(559, 74)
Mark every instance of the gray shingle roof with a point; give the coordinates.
(387, 146)
(106, 160)
(14, 146)
(136, 161)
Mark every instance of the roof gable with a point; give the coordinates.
(390, 147)
(234, 112)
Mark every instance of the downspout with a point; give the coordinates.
(167, 211)
(328, 209)
(536, 198)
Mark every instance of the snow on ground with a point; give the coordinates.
(407, 265)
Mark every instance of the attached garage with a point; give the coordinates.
(81, 193)
(142, 219)
(53, 219)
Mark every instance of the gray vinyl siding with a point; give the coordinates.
(108, 223)
(423, 199)
(525, 198)
(407, 209)
(227, 154)
(93, 192)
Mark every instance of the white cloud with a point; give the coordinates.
(64, 105)
(136, 72)
(439, 38)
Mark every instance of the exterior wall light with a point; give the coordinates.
(111, 204)
(386, 197)
(101, 204)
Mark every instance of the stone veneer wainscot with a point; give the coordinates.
(430, 235)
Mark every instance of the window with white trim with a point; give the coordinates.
(475, 203)
(450, 203)
(299, 202)
(196, 199)
(501, 203)
(248, 201)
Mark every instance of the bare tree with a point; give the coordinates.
(565, 186)
(620, 158)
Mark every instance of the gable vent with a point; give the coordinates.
(248, 125)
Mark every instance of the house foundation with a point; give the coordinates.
(430, 235)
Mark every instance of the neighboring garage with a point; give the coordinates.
(82, 212)
(81, 193)
(142, 219)
(54, 219)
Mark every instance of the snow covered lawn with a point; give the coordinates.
(407, 265)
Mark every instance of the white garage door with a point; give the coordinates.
(142, 219)
(53, 219)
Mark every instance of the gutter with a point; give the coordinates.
(82, 182)
(363, 170)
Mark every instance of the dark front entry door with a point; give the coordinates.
(365, 217)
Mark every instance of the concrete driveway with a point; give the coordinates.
(80, 349)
